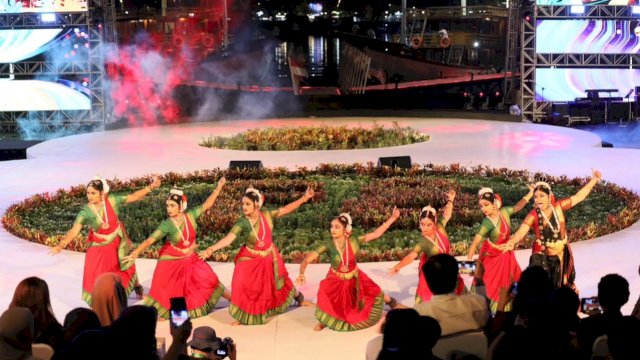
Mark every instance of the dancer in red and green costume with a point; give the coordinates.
(179, 272)
(436, 241)
(348, 299)
(261, 284)
(108, 240)
(501, 269)
(551, 249)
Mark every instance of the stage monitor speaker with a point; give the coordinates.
(15, 149)
(403, 162)
(245, 164)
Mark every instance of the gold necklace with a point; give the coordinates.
(344, 264)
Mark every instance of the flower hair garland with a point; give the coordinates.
(178, 196)
(105, 185)
(347, 217)
(251, 189)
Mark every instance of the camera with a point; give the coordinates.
(590, 305)
(466, 267)
(225, 347)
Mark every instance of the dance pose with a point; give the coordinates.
(261, 284)
(180, 273)
(108, 240)
(501, 269)
(348, 299)
(436, 241)
(551, 249)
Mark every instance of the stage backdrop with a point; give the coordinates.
(558, 85)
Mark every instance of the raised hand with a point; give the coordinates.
(596, 174)
(451, 195)
(222, 181)
(395, 213)
(309, 193)
(155, 183)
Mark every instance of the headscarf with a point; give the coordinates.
(16, 333)
(109, 298)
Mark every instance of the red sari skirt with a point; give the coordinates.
(349, 301)
(423, 293)
(261, 286)
(501, 270)
(188, 276)
(106, 248)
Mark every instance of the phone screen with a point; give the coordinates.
(590, 304)
(178, 312)
(466, 267)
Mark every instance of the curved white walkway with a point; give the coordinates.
(133, 152)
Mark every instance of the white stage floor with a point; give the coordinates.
(129, 153)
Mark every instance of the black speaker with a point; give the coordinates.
(403, 162)
(245, 164)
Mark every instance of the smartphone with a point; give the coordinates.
(466, 267)
(589, 305)
(178, 313)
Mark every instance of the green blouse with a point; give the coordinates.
(330, 248)
(86, 216)
(169, 230)
(489, 229)
(242, 228)
(427, 246)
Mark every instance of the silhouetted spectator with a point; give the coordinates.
(613, 293)
(33, 293)
(455, 313)
(78, 321)
(109, 298)
(623, 339)
(636, 309)
(407, 335)
(16, 334)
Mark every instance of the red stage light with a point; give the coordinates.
(481, 94)
(497, 93)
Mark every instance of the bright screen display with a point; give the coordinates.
(42, 6)
(586, 2)
(588, 36)
(568, 84)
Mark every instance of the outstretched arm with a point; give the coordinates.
(135, 253)
(303, 266)
(71, 234)
(408, 259)
(448, 208)
(522, 231)
(291, 207)
(214, 195)
(140, 194)
(474, 245)
(221, 244)
(395, 214)
(525, 199)
(584, 192)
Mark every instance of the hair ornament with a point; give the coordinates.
(429, 209)
(257, 192)
(347, 218)
(179, 197)
(105, 185)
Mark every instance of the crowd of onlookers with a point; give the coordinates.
(543, 323)
(109, 330)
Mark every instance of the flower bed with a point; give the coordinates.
(367, 192)
(321, 137)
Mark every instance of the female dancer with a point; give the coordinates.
(261, 284)
(551, 249)
(180, 273)
(435, 241)
(108, 240)
(501, 269)
(348, 299)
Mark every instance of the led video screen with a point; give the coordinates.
(42, 6)
(43, 92)
(569, 84)
(585, 2)
(588, 36)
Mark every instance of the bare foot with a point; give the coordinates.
(307, 303)
(236, 323)
(319, 327)
(162, 319)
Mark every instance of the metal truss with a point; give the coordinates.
(589, 60)
(528, 62)
(99, 21)
(511, 52)
(590, 12)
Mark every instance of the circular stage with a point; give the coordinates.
(126, 153)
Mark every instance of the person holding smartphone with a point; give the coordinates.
(180, 273)
(206, 345)
(551, 250)
(348, 299)
(261, 284)
(501, 269)
(435, 241)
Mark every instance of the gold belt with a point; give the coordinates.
(346, 276)
(107, 238)
(185, 251)
(261, 253)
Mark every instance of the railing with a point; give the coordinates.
(460, 11)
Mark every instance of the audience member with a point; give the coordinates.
(78, 321)
(622, 339)
(407, 335)
(454, 313)
(16, 334)
(636, 309)
(613, 293)
(109, 298)
(33, 293)
(206, 345)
